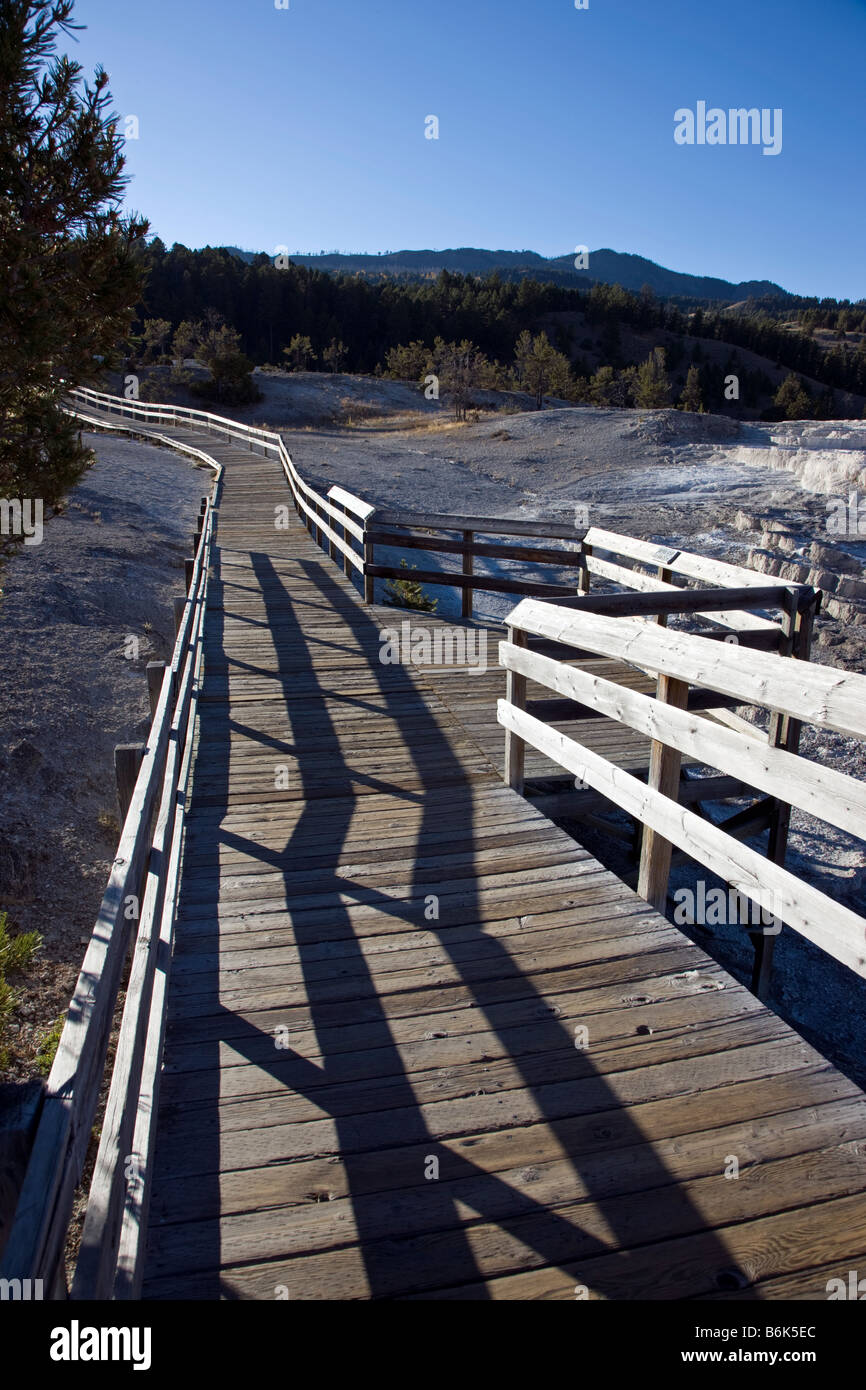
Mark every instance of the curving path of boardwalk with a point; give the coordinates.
(420, 1044)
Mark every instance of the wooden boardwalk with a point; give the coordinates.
(420, 1044)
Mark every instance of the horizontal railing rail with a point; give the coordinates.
(799, 692)
(139, 898)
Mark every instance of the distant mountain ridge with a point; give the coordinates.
(605, 266)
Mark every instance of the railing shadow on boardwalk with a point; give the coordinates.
(326, 820)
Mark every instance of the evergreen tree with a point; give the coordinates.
(653, 388)
(300, 352)
(793, 400)
(624, 388)
(155, 336)
(691, 396)
(602, 386)
(541, 370)
(409, 362)
(187, 337)
(231, 380)
(71, 270)
(460, 367)
(335, 354)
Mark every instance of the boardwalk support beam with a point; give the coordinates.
(155, 673)
(664, 777)
(515, 694)
(466, 606)
(128, 758)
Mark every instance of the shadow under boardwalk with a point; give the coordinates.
(420, 1044)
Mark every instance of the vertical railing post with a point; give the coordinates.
(128, 758)
(369, 580)
(784, 732)
(664, 777)
(664, 577)
(584, 577)
(466, 606)
(332, 548)
(515, 694)
(155, 674)
(348, 567)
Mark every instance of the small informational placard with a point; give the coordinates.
(665, 557)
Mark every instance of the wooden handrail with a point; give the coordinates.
(819, 695)
(483, 525)
(36, 1242)
(338, 519)
(685, 562)
(96, 1266)
(834, 928)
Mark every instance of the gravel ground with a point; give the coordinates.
(73, 687)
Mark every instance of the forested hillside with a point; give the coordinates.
(287, 314)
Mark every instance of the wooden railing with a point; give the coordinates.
(793, 692)
(438, 533)
(320, 512)
(350, 528)
(139, 906)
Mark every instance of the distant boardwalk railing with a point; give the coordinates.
(350, 528)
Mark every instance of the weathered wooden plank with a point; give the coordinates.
(757, 1252)
(650, 583)
(409, 540)
(750, 1127)
(455, 579)
(820, 695)
(680, 561)
(484, 525)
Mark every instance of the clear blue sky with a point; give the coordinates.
(305, 127)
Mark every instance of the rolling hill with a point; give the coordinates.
(605, 266)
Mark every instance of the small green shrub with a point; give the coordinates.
(408, 593)
(48, 1047)
(16, 952)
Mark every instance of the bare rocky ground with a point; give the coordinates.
(73, 687)
(760, 494)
